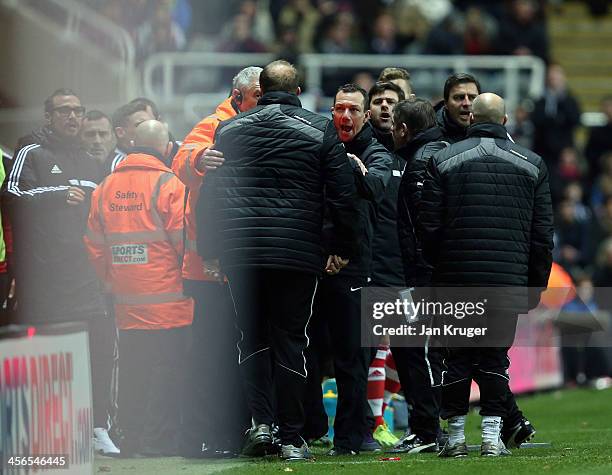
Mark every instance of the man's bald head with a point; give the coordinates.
(279, 76)
(489, 107)
(152, 134)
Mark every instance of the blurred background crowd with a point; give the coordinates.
(571, 37)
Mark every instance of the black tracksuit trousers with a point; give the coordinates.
(214, 411)
(419, 370)
(273, 308)
(338, 306)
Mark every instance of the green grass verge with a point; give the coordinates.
(577, 422)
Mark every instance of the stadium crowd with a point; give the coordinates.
(169, 274)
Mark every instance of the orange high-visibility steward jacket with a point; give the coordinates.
(198, 140)
(135, 241)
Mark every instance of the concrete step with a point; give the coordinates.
(577, 53)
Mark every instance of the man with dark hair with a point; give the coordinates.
(386, 262)
(460, 90)
(417, 138)
(125, 121)
(338, 301)
(507, 188)
(153, 110)
(383, 96)
(97, 135)
(261, 215)
(48, 192)
(150, 106)
(398, 76)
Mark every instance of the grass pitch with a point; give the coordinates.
(577, 422)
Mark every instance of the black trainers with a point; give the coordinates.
(456, 451)
(369, 444)
(339, 451)
(412, 445)
(513, 437)
(259, 442)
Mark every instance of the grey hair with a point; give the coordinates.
(246, 77)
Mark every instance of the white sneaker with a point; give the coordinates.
(103, 443)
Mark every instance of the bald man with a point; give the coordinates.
(135, 242)
(486, 221)
(261, 215)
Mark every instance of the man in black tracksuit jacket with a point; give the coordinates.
(48, 192)
(338, 301)
(261, 214)
(418, 138)
(486, 221)
(460, 90)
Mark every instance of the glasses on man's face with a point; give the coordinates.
(65, 111)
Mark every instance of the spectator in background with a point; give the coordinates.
(338, 35)
(603, 183)
(160, 33)
(364, 80)
(301, 17)
(384, 35)
(479, 33)
(241, 39)
(398, 76)
(522, 32)
(555, 116)
(571, 237)
(570, 169)
(258, 14)
(584, 359)
(98, 136)
(574, 192)
(601, 228)
(446, 37)
(522, 129)
(600, 140)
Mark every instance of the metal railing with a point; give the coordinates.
(517, 77)
(164, 86)
(80, 23)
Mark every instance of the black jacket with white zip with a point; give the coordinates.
(55, 281)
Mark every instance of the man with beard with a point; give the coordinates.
(338, 300)
(48, 192)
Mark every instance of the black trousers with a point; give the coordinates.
(273, 308)
(151, 377)
(486, 362)
(102, 336)
(339, 308)
(214, 410)
(420, 374)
